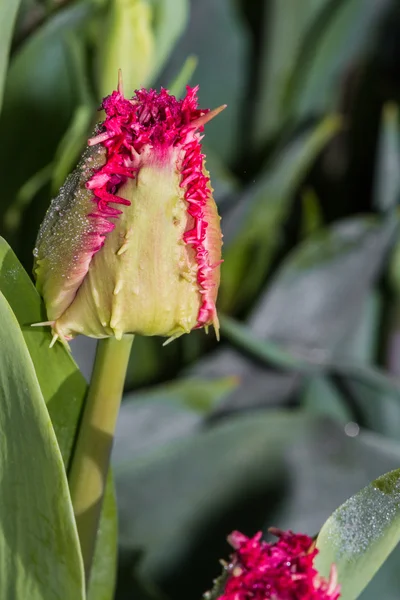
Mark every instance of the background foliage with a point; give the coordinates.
(299, 406)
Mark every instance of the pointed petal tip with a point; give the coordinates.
(208, 116)
(43, 324)
(120, 83)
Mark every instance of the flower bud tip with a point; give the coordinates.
(208, 116)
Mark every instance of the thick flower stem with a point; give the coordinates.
(88, 472)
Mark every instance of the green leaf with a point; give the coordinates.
(361, 534)
(8, 15)
(63, 387)
(39, 548)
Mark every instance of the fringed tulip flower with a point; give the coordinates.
(132, 243)
(280, 571)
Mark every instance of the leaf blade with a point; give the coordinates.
(360, 534)
(39, 548)
(8, 15)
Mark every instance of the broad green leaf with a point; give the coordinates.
(361, 534)
(253, 229)
(103, 573)
(39, 548)
(63, 387)
(8, 14)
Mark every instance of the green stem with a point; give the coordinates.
(88, 473)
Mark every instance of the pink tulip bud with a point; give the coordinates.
(132, 243)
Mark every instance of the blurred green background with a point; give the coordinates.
(298, 406)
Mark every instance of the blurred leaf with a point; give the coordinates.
(264, 350)
(38, 543)
(39, 100)
(312, 218)
(197, 395)
(307, 312)
(8, 15)
(322, 396)
(103, 572)
(74, 139)
(29, 11)
(330, 47)
(253, 229)
(62, 385)
(360, 535)
(182, 79)
(178, 487)
(387, 191)
(315, 297)
(217, 36)
(63, 388)
(170, 19)
(167, 412)
(285, 25)
(71, 145)
(14, 214)
(127, 43)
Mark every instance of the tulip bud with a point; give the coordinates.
(132, 243)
